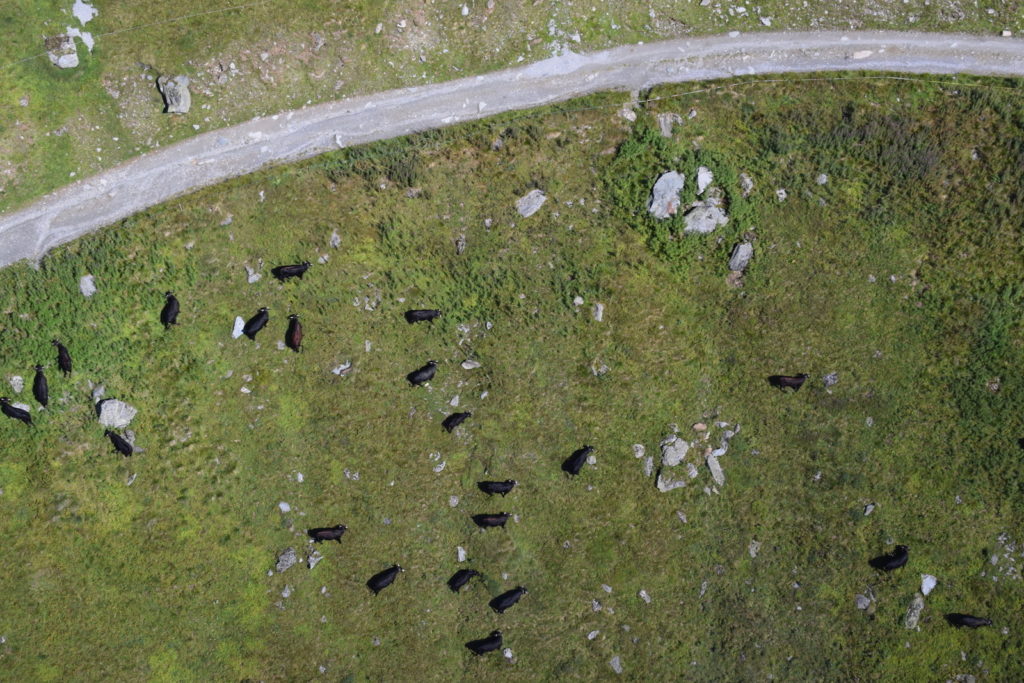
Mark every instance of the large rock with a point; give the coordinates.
(176, 94)
(673, 451)
(913, 615)
(62, 51)
(114, 413)
(665, 195)
(87, 285)
(704, 217)
(741, 256)
(286, 560)
(704, 178)
(530, 203)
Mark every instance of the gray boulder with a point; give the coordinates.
(530, 203)
(62, 51)
(673, 451)
(704, 178)
(286, 560)
(741, 256)
(87, 285)
(913, 615)
(176, 94)
(115, 413)
(716, 470)
(665, 195)
(17, 383)
(704, 217)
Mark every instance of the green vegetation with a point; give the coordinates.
(257, 58)
(901, 273)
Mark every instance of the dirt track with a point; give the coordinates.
(209, 158)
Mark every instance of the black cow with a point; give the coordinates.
(485, 645)
(574, 463)
(454, 420)
(484, 520)
(382, 580)
(423, 375)
(783, 382)
(966, 620)
(502, 487)
(14, 412)
(169, 314)
(890, 561)
(40, 388)
(120, 444)
(327, 533)
(293, 337)
(283, 273)
(419, 315)
(461, 578)
(256, 323)
(63, 358)
(507, 599)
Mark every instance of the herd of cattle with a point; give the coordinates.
(378, 582)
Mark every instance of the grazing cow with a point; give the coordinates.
(502, 487)
(419, 315)
(783, 382)
(891, 561)
(485, 645)
(40, 388)
(382, 580)
(169, 314)
(14, 412)
(966, 620)
(283, 273)
(507, 599)
(423, 375)
(293, 337)
(63, 358)
(454, 420)
(120, 444)
(256, 323)
(461, 578)
(327, 533)
(484, 521)
(574, 463)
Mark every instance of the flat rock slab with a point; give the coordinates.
(530, 203)
(673, 451)
(62, 51)
(704, 217)
(114, 413)
(87, 285)
(741, 256)
(176, 95)
(665, 195)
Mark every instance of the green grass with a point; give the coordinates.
(263, 57)
(900, 274)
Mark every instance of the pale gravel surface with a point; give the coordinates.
(209, 158)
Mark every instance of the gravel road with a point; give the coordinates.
(209, 158)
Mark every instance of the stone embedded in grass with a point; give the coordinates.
(716, 470)
(286, 560)
(284, 507)
(741, 255)
(460, 553)
(287, 592)
(673, 451)
(754, 548)
(87, 286)
(251, 275)
(780, 194)
(17, 383)
(616, 664)
(831, 379)
(176, 94)
(862, 601)
(470, 364)
(667, 121)
(666, 483)
(746, 184)
(598, 312)
(644, 596)
(913, 615)
(335, 239)
(664, 201)
(342, 369)
(639, 450)
(592, 635)
(928, 583)
(530, 203)
(705, 216)
(236, 332)
(314, 559)
(704, 178)
(115, 413)
(62, 51)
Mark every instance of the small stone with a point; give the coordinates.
(342, 369)
(470, 364)
(595, 605)
(285, 507)
(577, 300)
(530, 203)
(287, 592)
(644, 596)
(780, 194)
(286, 560)
(705, 216)
(862, 601)
(616, 664)
(507, 653)
(666, 483)
(298, 477)
(700, 427)
(716, 470)
(928, 583)
(868, 509)
(236, 332)
(821, 179)
(87, 285)
(704, 178)
(754, 548)
(638, 450)
(673, 451)
(453, 501)
(606, 588)
(741, 256)
(314, 559)
(598, 312)
(17, 383)
(831, 379)
(251, 275)
(648, 466)
(460, 553)
(592, 635)
(766, 21)
(335, 239)
(913, 615)
(746, 184)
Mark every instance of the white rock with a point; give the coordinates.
(862, 601)
(644, 596)
(704, 178)
(598, 312)
(716, 470)
(287, 592)
(592, 635)
(285, 507)
(83, 11)
(666, 484)
(639, 450)
(314, 559)
(460, 553)
(62, 51)
(251, 275)
(236, 332)
(741, 256)
(530, 203)
(928, 583)
(673, 451)
(454, 403)
(754, 548)
(453, 501)
(648, 466)
(335, 239)
(868, 509)
(822, 178)
(343, 368)
(87, 285)
(177, 96)
(24, 406)
(746, 184)
(470, 364)
(616, 664)
(115, 413)
(664, 201)
(577, 300)
(780, 194)
(286, 559)
(766, 21)
(913, 615)
(17, 383)
(298, 477)
(704, 217)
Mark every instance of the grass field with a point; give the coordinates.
(260, 57)
(901, 274)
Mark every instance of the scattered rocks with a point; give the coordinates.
(616, 664)
(115, 413)
(741, 255)
(236, 331)
(62, 51)
(530, 203)
(87, 285)
(704, 178)
(928, 583)
(286, 560)
(705, 216)
(913, 615)
(665, 195)
(17, 383)
(176, 94)
(314, 559)
(746, 184)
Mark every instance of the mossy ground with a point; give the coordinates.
(900, 274)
